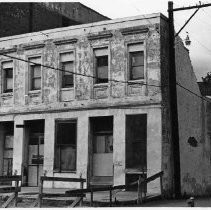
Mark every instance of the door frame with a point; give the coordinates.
(40, 136)
(90, 149)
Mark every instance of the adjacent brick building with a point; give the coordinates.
(110, 118)
(19, 18)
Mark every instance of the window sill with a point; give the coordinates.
(100, 85)
(136, 82)
(68, 88)
(34, 92)
(5, 95)
(62, 172)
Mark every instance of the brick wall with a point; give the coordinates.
(20, 18)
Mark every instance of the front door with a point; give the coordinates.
(35, 158)
(102, 149)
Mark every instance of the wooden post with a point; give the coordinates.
(110, 196)
(16, 192)
(81, 187)
(161, 185)
(139, 190)
(40, 193)
(91, 201)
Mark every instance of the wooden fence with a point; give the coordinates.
(79, 196)
(10, 189)
(140, 185)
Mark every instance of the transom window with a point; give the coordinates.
(7, 68)
(67, 65)
(35, 73)
(136, 62)
(101, 65)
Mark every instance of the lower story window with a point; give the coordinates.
(65, 145)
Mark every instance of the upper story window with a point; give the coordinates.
(35, 73)
(67, 65)
(7, 71)
(101, 65)
(136, 61)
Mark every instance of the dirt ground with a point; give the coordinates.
(199, 202)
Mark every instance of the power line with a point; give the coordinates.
(80, 74)
(194, 37)
(137, 9)
(112, 80)
(190, 91)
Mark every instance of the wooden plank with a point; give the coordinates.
(139, 190)
(98, 189)
(151, 178)
(161, 186)
(34, 204)
(63, 195)
(91, 202)
(75, 202)
(9, 189)
(9, 200)
(62, 179)
(10, 178)
(16, 193)
(110, 196)
(40, 193)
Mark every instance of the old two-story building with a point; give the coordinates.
(93, 100)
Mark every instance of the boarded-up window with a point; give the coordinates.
(7, 76)
(136, 61)
(67, 65)
(101, 65)
(136, 138)
(35, 73)
(65, 147)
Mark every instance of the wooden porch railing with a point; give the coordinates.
(139, 183)
(10, 189)
(60, 179)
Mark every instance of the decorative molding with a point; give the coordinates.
(7, 95)
(134, 30)
(33, 46)
(65, 41)
(9, 50)
(100, 36)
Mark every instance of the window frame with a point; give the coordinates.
(141, 48)
(31, 78)
(58, 146)
(106, 53)
(3, 73)
(131, 66)
(62, 74)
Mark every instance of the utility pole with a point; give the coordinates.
(173, 104)
(173, 92)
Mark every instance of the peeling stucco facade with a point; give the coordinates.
(118, 99)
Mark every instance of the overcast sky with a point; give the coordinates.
(199, 28)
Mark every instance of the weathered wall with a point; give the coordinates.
(194, 159)
(87, 99)
(1, 148)
(85, 94)
(153, 142)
